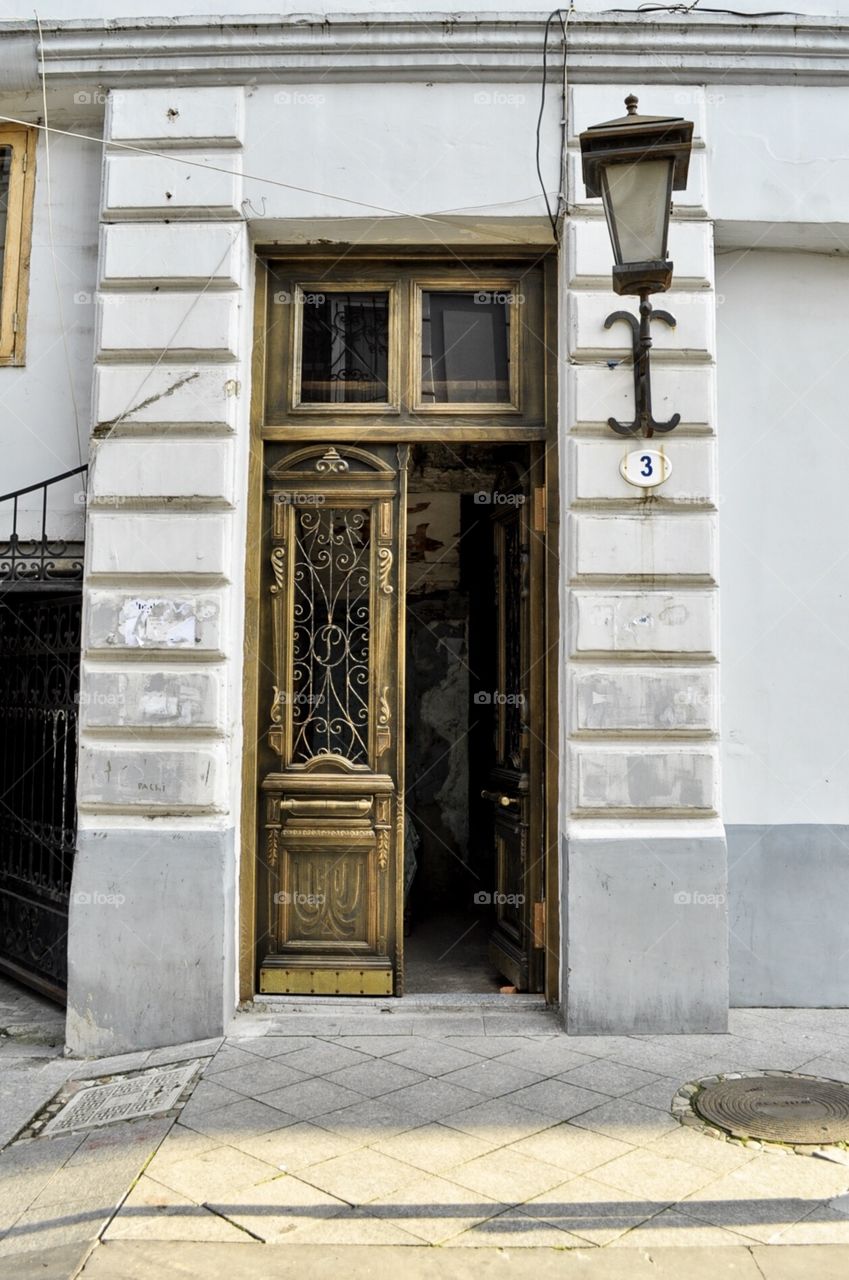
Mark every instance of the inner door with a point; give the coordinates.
(515, 785)
(332, 794)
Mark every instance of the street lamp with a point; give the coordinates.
(634, 164)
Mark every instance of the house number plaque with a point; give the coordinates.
(645, 468)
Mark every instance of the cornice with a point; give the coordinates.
(602, 47)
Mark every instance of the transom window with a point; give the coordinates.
(407, 346)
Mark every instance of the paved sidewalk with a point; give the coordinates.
(391, 1131)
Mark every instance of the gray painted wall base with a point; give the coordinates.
(150, 941)
(646, 936)
(789, 918)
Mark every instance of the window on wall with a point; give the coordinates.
(17, 174)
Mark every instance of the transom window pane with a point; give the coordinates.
(344, 354)
(465, 347)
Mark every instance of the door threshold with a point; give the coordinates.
(526, 1001)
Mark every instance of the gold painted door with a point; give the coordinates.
(515, 784)
(332, 798)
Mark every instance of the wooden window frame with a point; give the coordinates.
(346, 407)
(14, 288)
(527, 275)
(484, 284)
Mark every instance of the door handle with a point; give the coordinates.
(498, 797)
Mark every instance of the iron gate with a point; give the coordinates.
(40, 612)
(39, 682)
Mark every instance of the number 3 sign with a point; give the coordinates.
(645, 468)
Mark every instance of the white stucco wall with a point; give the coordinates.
(783, 368)
(38, 427)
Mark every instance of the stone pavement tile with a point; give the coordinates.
(543, 1023)
(118, 1063)
(492, 1077)
(506, 1175)
(611, 1078)
(368, 1120)
(515, 1229)
(672, 1229)
(260, 1076)
(354, 1227)
(627, 1121)
(433, 1099)
(434, 1209)
(304, 1024)
(591, 1210)
(360, 1176)
(141, 1260)
(153, 1211)
(57, 1263)
(104, 1164)
(297, 1146)
(269, 1046)
(207, 1096)
(311, 1097)
(12, 1050)
(28, 1168)
(659, 1094)
(182, 1052)
(277, 1210)
(782, 1172)
(321, 1057)
(644, 1172)
(215, 1174)
(488, 1046)
(429, 1025)
(376, 1076)
(25, 1090)
(434, 1057)
(556, 1099)
(498, 1120)
(47, 1227)
(546, 1057)
(571, 1149)
(700, 1149)
(823, 1226)
(383, 1046)
(243, 1119)
(827, 1068)
(226, 1058)
(180, 1143)
(433, 1147)
(748, 1206)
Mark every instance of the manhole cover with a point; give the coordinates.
(147, 1094)
(794, 1109)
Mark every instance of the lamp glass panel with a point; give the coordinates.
(636, 205)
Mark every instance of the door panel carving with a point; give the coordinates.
(333, 810)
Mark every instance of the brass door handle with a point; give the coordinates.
(498, 797)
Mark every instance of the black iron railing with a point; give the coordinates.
(40, 559)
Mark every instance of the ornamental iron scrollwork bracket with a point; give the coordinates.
(641, 342)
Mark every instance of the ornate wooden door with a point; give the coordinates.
(515, 785)
(333, 799)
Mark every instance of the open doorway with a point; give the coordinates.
(467, 719)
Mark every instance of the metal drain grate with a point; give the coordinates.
(776, 1108)
(147, 1094)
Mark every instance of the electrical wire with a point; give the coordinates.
(439, 218)
(558, 14)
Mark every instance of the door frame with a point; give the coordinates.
(546, 516)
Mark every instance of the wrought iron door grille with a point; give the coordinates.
(39, 683)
